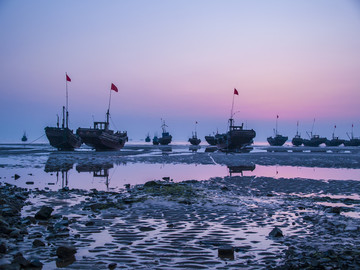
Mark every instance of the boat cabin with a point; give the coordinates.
(101, 125)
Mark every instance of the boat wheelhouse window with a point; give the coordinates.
(100, 125)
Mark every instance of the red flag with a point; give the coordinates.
(68, 78)
(236, 92)
(113, 87)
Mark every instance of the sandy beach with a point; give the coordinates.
(241, 219)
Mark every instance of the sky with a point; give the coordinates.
(180, 61)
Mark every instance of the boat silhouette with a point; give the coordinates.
(100, 137)
(194, 140)
(335, 141)
(277, 140)
(314, 140)
(24, 138)
(62, 137)
(297, 140)
(165, 138)
(147, 139)
(352, 140)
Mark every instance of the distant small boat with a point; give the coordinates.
(147, 139)
(62, 137)
(194, 140)
(352, 140)
(155, 140)
(210, 140)
(100, 137)
(277, 140)
(24, 138)
(297, 140)
(314, 140)
(335, 141)
(166, 138)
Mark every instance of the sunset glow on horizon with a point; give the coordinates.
(180, 61)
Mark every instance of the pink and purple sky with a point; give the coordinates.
(180, 60)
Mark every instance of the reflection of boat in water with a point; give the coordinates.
(314, 140)
(237, 137)
(147, 139)
(352, 140)
(60, 165)
(277, 140)
(100, 137)
(297, 140)
(24, 138)
(335, 141)
(165, 138)
(194, 148)
(240, 169)
(194, 140)
(62, 137)
(211, 149)
(99, 170)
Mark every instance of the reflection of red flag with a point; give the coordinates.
(113, 87)
(68, 78)
(277, 116)
(236, 92)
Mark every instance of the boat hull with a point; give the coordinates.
(297, 141)
(334, 142)
(102, 140)
(352, 142)
(165, 140)
(210, 140)
(235, 140)
(278, 140)
(62, 138)
(194, 141)
(314, 142)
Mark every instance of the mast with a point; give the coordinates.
(297, 128)
(63, 120)
(108, 112)
(231, 120)
(195, 129)
(312, 129)
(333, 135)
(67, 102)
(276, 127)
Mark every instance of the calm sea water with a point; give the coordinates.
(40, 166)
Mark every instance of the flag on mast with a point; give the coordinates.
(236, 92)
(113, 87)
(68, 78)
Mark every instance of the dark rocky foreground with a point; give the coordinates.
(238, 222)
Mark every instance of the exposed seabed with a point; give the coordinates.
(223, 217)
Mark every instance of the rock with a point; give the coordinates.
(90, 223)
(16, 176)
(20, 260)
(112, 266)
(151, 184)
(276, 232)
(65, 252)
(38, 243)
(36, 264)
(44, 213)
(335, 210)
(226, 252)
(146, 229)
(3, 248)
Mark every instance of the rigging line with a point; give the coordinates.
(36, 139)
(112, 122)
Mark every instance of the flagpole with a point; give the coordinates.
(232, 106)
(108, 112)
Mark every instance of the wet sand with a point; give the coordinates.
(220, 223)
